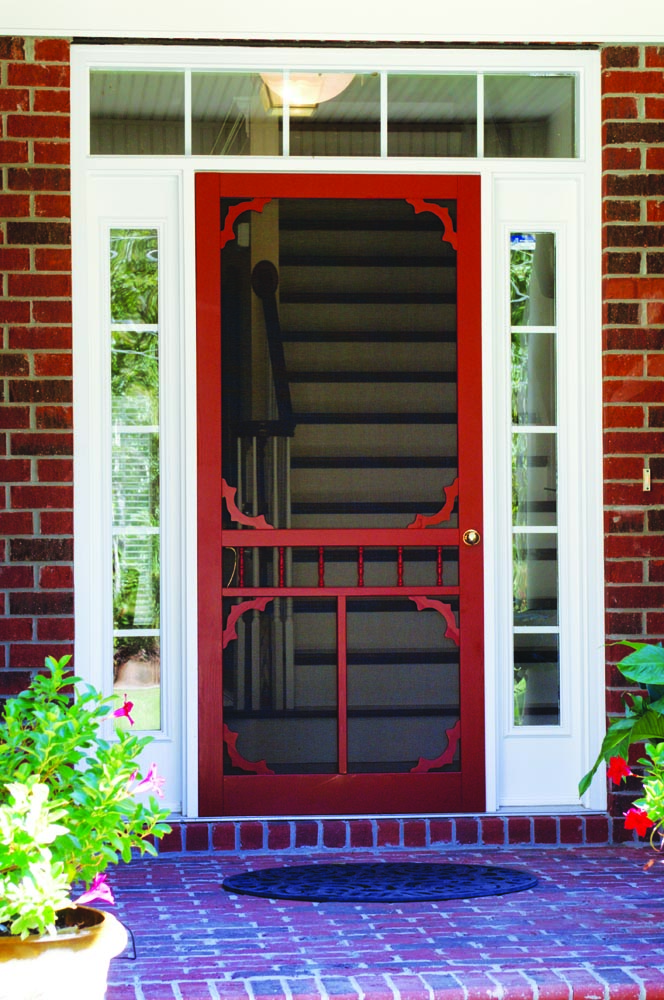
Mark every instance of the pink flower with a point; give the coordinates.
(618, 769)
(637, 819)
(99, 889)
(152, 782)
(124, 710)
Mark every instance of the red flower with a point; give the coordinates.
(617, 770)
(637, 819)
(124, 711)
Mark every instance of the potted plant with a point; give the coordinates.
(71, 803)
(642, 723)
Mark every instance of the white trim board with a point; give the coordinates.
(576, 21)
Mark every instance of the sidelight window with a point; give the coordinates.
(134, 326)
(536, 700)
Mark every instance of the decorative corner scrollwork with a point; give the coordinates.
(445, 512)
(423, 765)
(228, 493)
(420, 205)
(237, 760)
(234, 212)
(452, 631)
(230, 632)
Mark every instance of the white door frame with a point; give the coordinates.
(581, 571)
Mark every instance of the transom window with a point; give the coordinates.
(312, 113)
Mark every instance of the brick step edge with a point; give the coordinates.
(239, 835)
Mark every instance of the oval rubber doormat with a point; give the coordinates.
(379, 882)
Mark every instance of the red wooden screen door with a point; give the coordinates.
(340, 494)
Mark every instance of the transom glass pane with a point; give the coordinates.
(137, 113)
(529, 115)
(231, 116)
(346, 123)
(431, 115)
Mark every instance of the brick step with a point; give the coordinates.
(440, 832)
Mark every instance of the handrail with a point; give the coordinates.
(265, 281)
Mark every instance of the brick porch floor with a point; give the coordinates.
(593, 927)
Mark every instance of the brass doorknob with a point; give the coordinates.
(471, 537)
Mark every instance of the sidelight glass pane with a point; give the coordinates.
(533, 378)
(136, 580)
(135, 404)
(136, 479)
(135, 377)
(136, 113)
(431, 115)
(403, 687)
(536, 680)
(533, 279)
(535, 578)
(529, 115)
(534, 479)
(134, 282)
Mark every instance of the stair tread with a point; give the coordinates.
(373, 461)
(375, 418)
(370, 298)
(369, 337)
(372, 376)
(360, 260)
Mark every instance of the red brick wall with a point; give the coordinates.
(36, 520)
(633, 267)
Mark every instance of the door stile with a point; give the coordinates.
(342, 684)
(210, 553)
(471, 599)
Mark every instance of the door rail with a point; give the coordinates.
(335, 543)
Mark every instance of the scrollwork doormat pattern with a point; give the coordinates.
(379, 882)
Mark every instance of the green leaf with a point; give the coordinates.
(645, 665)
(649, 726)
(657, 706)
(615, 744)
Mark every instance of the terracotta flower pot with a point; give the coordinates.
(72, 966)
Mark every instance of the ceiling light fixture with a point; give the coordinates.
(304, 91)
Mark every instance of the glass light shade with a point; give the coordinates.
(307, 89)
